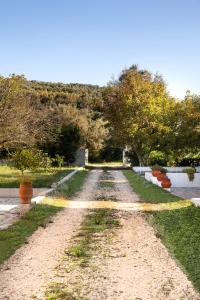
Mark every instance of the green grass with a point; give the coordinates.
(178, 229)
(148, 191)
(107, 164)
(13, 237)
(76, 181)
(98, 220)
(58, 291)
(10, 178)
(16, 235)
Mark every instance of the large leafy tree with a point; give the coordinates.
(146, 118)
(135, 105)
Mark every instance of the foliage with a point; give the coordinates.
(159, 168)
(29, 159)
(163, 170)
(58, 161)
(141, 100)
(156, 167)
(190, 159)
(22, 121)
(133, 158)
(190, 172)
(144, 117)
(157, 157)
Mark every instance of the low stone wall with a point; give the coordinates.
(177, 179)
(169, 169)
(182, 180)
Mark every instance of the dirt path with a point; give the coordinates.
(32, 266)
(126, 263)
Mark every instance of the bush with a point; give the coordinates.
(190, 159)
(58, 161)
(157, 158)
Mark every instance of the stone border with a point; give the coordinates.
(39, 198)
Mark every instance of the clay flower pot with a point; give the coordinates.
(156, 173)
(25, 192)
(161, 177)
(166, 183)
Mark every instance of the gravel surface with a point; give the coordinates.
(127, 263)
(32, 266)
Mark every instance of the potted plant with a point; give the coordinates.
(28, 160)
(166, 183)
(25, 190)
(190, 172)
(155, 170)
(162, 174)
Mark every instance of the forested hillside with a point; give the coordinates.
(68, 116)
(82, 95)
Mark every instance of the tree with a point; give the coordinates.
(135, 106)
(22, 121)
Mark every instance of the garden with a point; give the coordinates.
(44, 126)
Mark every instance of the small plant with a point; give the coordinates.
(78, 250)
(190, 172)
(29, 159)
(156, 167)
(163, 170)
(58, 161)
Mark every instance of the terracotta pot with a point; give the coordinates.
(25, 192)
(155, 173)
(166, 183)
(161, 177)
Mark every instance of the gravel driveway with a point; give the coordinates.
(131, 263)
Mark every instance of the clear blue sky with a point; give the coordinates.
(89, 41)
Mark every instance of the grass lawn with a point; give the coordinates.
(148, 191)
(107, 164)
(178, 229)
(10, 178)
(16, 235)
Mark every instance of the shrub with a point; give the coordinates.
(29, 159)
(190, 172)
(157, 157)
(156, 167)
(58, 161)
(190, 159)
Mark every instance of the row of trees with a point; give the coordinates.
(135, 110)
